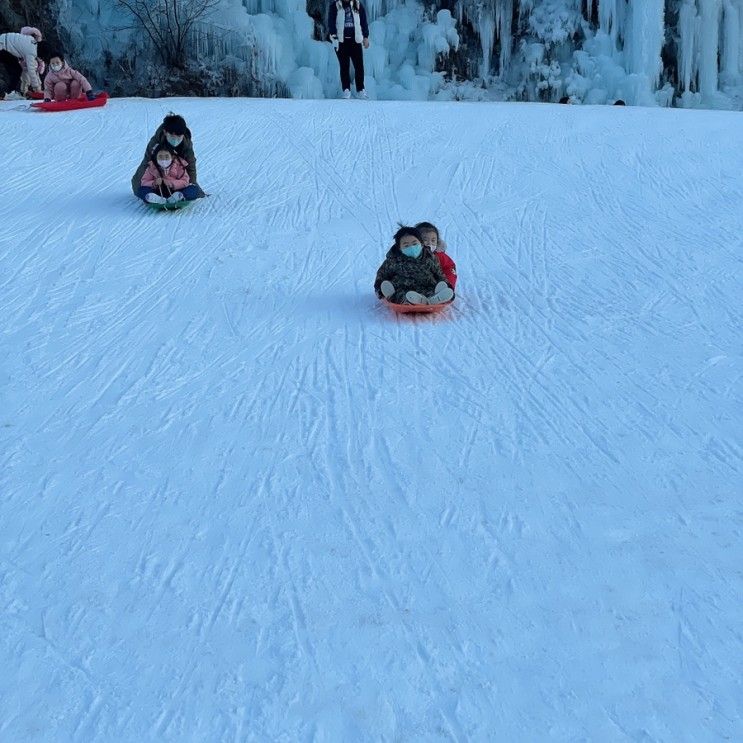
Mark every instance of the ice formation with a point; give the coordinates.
(595, 51)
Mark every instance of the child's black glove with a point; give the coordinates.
(90, 95)
(47, 100)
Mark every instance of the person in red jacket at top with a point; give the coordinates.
(433, 240)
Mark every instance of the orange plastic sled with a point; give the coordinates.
(426, 309)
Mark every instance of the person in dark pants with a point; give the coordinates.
(349, 30)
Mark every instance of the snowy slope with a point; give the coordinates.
(242, 501)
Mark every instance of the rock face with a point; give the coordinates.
(10, 72)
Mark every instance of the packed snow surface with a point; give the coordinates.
(243, 501)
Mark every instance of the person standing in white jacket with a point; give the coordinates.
(24, 47)
(349, 30)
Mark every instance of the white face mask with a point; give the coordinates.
(165, 164)
(56, 67)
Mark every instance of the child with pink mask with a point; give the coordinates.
(62, 82)
(166, 181)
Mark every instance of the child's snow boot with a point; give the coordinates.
(387, 289)
(155, 198)
(346, 94)
(173, 198)
(415, 298)
(363, 95)
(443, 293)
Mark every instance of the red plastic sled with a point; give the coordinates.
(72, 105)
(426, 309)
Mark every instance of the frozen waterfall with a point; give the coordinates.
(598, 50)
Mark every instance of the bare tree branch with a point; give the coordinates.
(140, 12)
(169, 24)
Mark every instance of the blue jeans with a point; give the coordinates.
(190, 192)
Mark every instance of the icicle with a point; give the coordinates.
(611, 17)
(486, 32)
(709, 45)
(687, 25)
(643, 39)
(373, 9)
(503, 23)
(731, 40)
(525, 8)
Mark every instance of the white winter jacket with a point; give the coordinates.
(340, 21)
(23, 47)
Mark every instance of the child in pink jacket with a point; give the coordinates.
(166, 179)
(63, 82)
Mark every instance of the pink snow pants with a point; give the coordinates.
(62, 91)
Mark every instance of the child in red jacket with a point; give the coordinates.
(433, 240)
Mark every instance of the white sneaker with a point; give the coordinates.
(363, 95)
(443, 293)
(155, 198)
(387, 288)
(415, 298)
(346, 94)
(177, 196)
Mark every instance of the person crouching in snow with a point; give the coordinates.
(63, 82)
(410, 273)
(166, 180)
(432, 238)
(24, 47)
(348, 31)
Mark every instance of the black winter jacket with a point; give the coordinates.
(419, 274)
